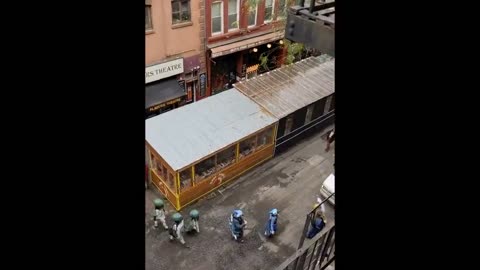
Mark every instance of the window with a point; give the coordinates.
(308, 117)
(233, 14)
(327, 105)
(226, 157)
(171, 181)
(155, 165)
(217, 18)
(288, 125)
(164, 173)
(282, 8)
(180, 11)
(205, 168)
(186, 178)
(148, 17)
(268, 10)
(247, 147)
(265, 137)
(252, 16)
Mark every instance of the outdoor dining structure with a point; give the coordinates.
(196, 148)
(301, 96)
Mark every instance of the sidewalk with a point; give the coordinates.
(289, 182)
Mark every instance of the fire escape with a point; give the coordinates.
(313, 25)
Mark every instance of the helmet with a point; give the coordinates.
(237, 213)
(194, 214)
(177, 217)
(158, 202)
(274, 211)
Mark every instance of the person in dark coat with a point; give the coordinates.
(317, 225)
(237, 225)
(330, 139)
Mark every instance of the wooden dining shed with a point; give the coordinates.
(196, 148)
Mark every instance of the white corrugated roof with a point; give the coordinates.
(287, 89)
(189, 133)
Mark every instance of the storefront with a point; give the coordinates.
(197, 148)
(163, 92)
(229, 61)
(301, 96)
(195, 80)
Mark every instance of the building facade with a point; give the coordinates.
(175, 70)
(238, 33)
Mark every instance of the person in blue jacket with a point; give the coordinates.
(271, 226)
(317, 225)
(237, 224)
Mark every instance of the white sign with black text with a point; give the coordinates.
(163, 70)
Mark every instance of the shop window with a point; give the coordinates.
(148, 17)
(308, 116)
(226, 157)
(204, 169)
(269, 10)
(288, 125)
(252, 16)
(233, 14)
(181, 11)
(217, 18)
(247, 147)
(171, 181)
(265, 137)
(186, 178)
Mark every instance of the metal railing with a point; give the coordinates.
(319, 253)
(316, 256)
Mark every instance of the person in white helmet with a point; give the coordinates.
(159, 214)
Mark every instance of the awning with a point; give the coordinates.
(246, 44)
(162, 91)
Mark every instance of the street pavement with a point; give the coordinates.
(289, 182)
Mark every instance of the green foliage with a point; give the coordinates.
(294, 50)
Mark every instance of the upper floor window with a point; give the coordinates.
(269, 5)
(233, 14)
(148, 17)
(217, 18)
(181, 11)
(282, 9)
(252, 16)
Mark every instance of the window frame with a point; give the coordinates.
(190, 171)
(195, 179)
(180, 12)
(218, 167)
(271, 130)
(253, 148)
(265, 13)
(221, 18)
(279, 15)
(149, 7)
(309, 113)
(238, 17)
(256, 17)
